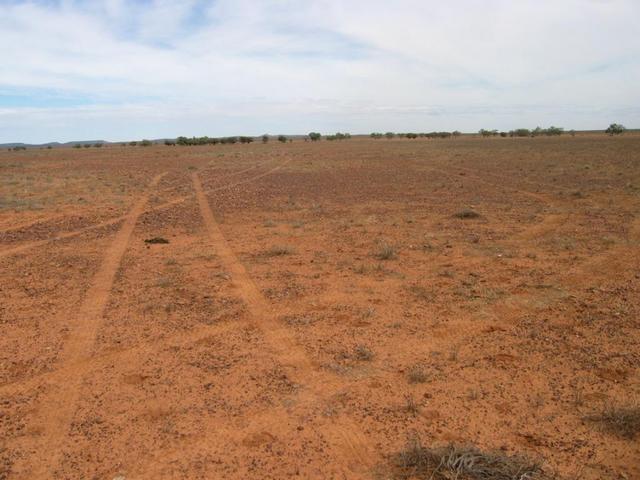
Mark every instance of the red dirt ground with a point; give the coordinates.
(309, 294)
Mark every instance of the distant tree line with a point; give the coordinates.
(524, 132)
(338, 136)
(411, 135)
(613, 129)
(211, 140)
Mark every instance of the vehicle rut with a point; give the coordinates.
(55, 412)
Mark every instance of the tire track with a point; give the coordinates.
(27, 246)
(56, 410)
(351, 446)
(13, 228)
(18, 385)
(86, 365)
(217, 179)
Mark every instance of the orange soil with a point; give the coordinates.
(268, 339)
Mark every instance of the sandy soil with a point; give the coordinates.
(317, 306)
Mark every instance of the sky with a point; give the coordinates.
(122, 70)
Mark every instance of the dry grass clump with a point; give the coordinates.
(421, 293)
(464, 463)
(416, 374)
(386, 252)
(466, 213)
(621, 421)
(363, 353)
(411, 405)
(279, 251)
(156, 240)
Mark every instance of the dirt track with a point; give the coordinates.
(274, 337)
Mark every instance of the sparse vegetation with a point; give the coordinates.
(411, 405)
(464, 463)
(282, 139)
(467, 213)
(156, 240)
(363, 353)
(279, 251)
(433, 341)
(488, 133)
(385, 252)
(339, 136)
(184, 141)
(421, 293)
(615, 129)
(621, 421)
(417, 374)
(520, 132)
(315, 136)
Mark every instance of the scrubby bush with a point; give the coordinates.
(170, 143)
(315, 136)
(521, 132)
(456, 133)
(488, 133)
(389, 135)
(97, 145)
(265, 138)
(615, 129)
(411, 135)
(133, 144)
(77, 145)
(338, 136)
(246, 139)
(554, 131)
(376, 135)
(436, 135)
(282, 138)
(146, 143)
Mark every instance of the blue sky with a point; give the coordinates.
(119, 70)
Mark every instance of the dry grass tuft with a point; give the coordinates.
(279, 251)
(464, 463)
(410, 405)
(467, 213)
(386, 252)
(363, 353)
(416, 374)
(156, 240)
(621, 421)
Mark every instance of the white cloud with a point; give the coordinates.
(165, 68)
